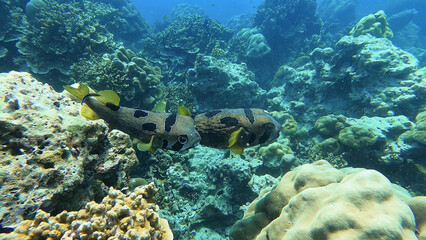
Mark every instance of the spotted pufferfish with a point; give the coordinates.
(236, 129)
(154, 129)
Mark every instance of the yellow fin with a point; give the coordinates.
(146, 146)
(88, 113)
(79, 92)
(184, 111)
(237, 149)
(108, 96)
(160, 107)
(234, 137)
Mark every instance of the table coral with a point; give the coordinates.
(374, 24)
(51, 157)
(317, 201)
(117, 216)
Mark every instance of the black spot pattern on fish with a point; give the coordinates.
(149, 127)
(183, 138)
(265, 136)
(140, 114)
(212, 113)
(177, 146)
(170, 122)
(113, 107)
(165, 143)
(229, 121)
(252, 138)
(249, 115)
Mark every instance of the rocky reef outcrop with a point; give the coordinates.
(51, 158)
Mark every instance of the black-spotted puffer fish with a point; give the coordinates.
(236, 129)
(153, 129)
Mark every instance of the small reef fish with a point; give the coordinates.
(153, 129)
(236, 129)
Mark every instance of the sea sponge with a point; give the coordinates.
(358, 136)
(317, 201)
(376, 25)
(118, 216)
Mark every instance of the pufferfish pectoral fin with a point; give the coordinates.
(79, 92)
(146, 146)
(160, 107)
(233, 144)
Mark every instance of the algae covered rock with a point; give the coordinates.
(374, 24)
(314, 198)
(51, 157)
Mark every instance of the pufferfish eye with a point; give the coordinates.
(182, 139)
(269, 126)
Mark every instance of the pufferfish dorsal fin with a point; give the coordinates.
(182, 110)
(79, 92)
(108, 96)
(160, 107)
(146, 146)
(233, 144)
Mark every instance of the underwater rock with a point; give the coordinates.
(314, 198)
(221, 84)
(118, 215)
(51, 158)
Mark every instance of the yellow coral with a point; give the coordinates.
(118, 216)
(376, 25)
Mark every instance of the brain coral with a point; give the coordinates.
(317, 201)
(50, 157)
(125, 72)
(118, 216)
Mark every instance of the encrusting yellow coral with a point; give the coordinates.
(118, 216)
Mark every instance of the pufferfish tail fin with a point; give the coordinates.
(182, 110)
(233, 144)
(146, 146)
(106, 97)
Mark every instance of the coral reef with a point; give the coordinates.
(176, 47)
(318, 201)
(286, 23)
(51, 158)
(61, 32)
(125, 72)
(374, 24)
(117, 216)
(221, 84)
(254, 42)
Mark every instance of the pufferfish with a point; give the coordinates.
(153, 129)
(236, 129)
